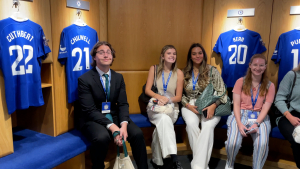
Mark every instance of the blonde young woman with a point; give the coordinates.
(253, 96)
(169, 84)
(196, 78)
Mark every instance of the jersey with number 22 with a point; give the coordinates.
(22, 46)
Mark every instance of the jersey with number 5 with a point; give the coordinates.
(22, 46)
(287, 52)
(74, 52)
(236, 49)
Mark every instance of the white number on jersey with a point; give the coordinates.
(19, 58)
(237, 49)
(87, 58)
(296, 55)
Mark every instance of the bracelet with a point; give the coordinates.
(154, 95)
(187, 105)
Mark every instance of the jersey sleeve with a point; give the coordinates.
(63, 52)
(43, 47)
(97, 37)
(276, 55)
(218, 46)
(259, 46)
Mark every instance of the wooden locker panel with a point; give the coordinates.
(134, 81)
(138, 30)
(61, 17)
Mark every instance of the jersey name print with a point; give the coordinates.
(74, 52)
(22, 46)
(236, 49)
(286, 52)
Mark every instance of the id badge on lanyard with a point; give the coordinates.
(105, 105)
(252, 115)
(165, 85)
(193, 98)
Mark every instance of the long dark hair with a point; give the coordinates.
(203, 69)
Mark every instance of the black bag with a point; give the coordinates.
(143, 98)
(275, 112)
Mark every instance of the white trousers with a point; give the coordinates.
(163, 137)
(201, 141)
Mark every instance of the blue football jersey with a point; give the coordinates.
(287, 52)
(22, 46)
(236, 49)
(74, 52)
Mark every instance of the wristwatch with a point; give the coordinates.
(258, 124)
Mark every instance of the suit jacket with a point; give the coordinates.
(91, 95)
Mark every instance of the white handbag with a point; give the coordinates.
(123, 160)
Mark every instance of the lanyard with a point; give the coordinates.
(194, 80)
(163, 79)
(254, 102)
(108, 87)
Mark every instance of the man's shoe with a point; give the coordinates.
(155, 166)
(177, 165)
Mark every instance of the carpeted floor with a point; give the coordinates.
(214, 163)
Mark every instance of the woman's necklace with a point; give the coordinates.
(254, 88)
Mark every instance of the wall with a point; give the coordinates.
(138, 30)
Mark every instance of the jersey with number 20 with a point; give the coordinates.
(236, 49)
(74, 51)
(22, 46)
(287, 52)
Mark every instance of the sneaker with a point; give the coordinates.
(177, 165)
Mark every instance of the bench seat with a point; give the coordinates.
(40, 151)
(142, 120)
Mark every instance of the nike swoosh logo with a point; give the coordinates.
(62, 49)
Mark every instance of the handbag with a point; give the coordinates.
(122, 160)
(207, 98)
(277, 114)
(143, 98)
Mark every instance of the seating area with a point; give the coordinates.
(37, 150)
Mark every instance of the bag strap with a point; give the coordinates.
(210, 75)
(155, 73)
(124, 145)
(289, 97)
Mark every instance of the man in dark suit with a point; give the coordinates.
(104, 106)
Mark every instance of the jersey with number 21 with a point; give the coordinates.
(74, 51)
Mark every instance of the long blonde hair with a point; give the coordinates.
(203, 69)
(248, 78)
(160, 66)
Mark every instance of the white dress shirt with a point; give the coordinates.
(101, 73)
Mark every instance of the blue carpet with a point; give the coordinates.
(33, 150)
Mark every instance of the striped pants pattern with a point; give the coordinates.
(260, 140)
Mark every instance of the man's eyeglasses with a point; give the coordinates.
(101, 52)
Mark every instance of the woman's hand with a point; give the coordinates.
(210, 110)
(242, 128)
(163, 99)
(253, 131)
(295, 121)
(192, 108)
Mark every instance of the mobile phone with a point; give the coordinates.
(204, 113)
(251, 130)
